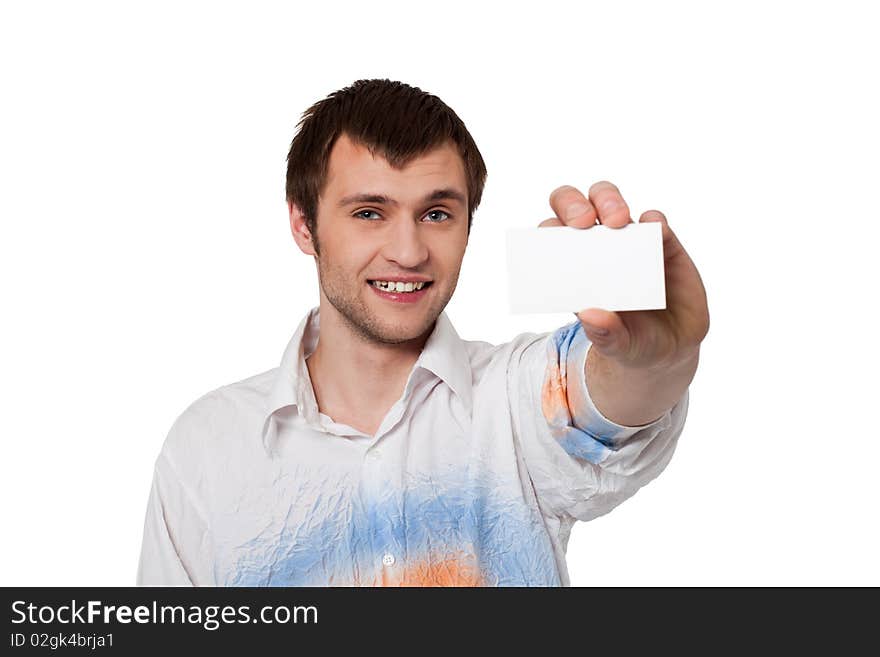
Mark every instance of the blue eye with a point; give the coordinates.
(440, 212)
(362, 214)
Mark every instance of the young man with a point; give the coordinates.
(385, 450)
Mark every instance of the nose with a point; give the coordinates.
(405, 244)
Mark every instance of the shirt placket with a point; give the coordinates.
(380, 497)
(383, 497)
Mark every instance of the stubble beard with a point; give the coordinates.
(360, 319)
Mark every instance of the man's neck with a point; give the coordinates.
(356, 380)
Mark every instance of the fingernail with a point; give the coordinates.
(576, 210)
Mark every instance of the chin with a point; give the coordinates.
(397, 334)
(392, 331)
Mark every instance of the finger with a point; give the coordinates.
(553, 221)
(671, 246)
(572, 207)
(685, 292)
(613, 210)
(606, 331)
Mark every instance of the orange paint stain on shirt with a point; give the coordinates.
(554, 400)
(452, 572)
(461, 571)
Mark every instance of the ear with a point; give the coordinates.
(301, 234)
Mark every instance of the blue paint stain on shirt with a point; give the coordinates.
(586, 435)
(417, 524)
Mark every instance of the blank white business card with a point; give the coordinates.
(565, 269)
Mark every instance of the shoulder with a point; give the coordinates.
(486, 357)
(218, 423)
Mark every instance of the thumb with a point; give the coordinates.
(606, 331)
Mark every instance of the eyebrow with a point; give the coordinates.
(437, 195)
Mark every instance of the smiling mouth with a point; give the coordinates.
(393, 289)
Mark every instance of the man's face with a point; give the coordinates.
(376, 223)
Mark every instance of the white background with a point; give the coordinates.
(146, 257)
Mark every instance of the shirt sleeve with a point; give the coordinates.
(581, 464)
(160, 563)
(174, 534)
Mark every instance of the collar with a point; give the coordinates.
(444, 354)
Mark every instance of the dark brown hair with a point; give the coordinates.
(391, 119)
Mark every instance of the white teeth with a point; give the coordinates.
(398, 286)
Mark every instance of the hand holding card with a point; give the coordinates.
(640, 305)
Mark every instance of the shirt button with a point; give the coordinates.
(388, 559)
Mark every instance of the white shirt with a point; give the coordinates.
(475, 476)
